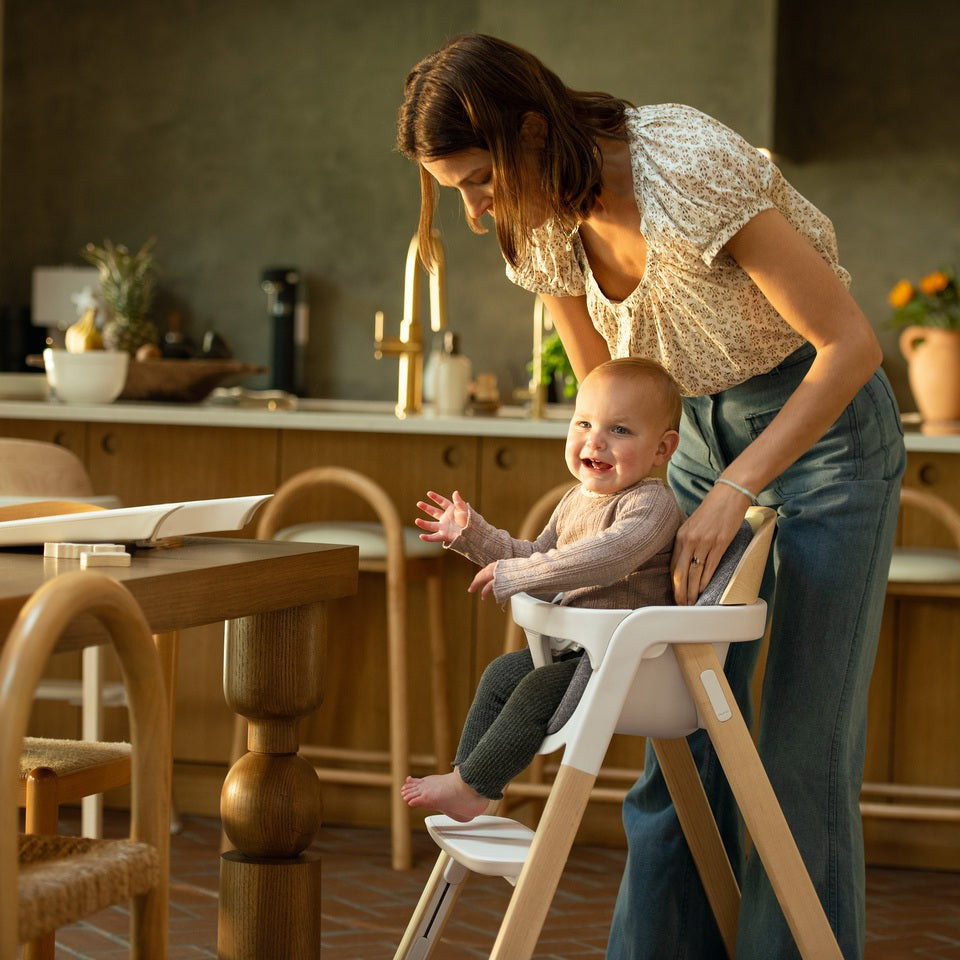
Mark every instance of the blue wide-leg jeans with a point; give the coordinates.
(825, 586)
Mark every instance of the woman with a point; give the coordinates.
(659, 232)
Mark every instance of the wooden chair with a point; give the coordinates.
(48, 881)
(920, 572)
(389, 549)
(655, 672)
(54, 771)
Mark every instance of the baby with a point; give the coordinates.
(607, 545)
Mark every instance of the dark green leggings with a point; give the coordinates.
(508, 718)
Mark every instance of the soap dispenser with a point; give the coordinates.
(452, 378)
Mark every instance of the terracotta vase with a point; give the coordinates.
(933, 370)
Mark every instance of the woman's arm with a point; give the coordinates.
(808, 295)
(584, 346)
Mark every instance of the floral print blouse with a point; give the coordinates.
(695, 311)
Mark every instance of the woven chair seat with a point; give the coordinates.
(64, 879)
(64, 757)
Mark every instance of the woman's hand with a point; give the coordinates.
(449, 517)
(702, 540)
(482, 583)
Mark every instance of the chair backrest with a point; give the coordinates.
(33, 468)
(736, 581)
(31, 640)
(273, 516)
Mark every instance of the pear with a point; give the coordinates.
(84, 335)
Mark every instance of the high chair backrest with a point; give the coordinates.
(634, 685)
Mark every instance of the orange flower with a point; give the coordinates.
(933, 283)
(901, 294)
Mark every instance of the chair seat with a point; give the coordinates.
(64, 757)
(924, 565)
(368, 536)
(63, 879)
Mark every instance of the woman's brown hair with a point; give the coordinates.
(474, 93)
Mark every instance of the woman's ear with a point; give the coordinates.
(533, 130)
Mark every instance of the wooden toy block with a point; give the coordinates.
(115, 558)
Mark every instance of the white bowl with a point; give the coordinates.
(95, 376)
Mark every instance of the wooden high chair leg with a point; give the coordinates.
(438, 674)
(758, 803)
(541, 872)
(702, 836)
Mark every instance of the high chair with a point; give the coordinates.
(917, 572)
(397, 552)
(655, 672)
(47, 882)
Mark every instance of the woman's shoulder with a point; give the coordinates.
(676, 133)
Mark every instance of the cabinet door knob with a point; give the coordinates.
(451, 456)
(929, 474)
(109, 443)
(61, 439)
(505, 458)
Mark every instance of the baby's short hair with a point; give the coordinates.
(649, 373)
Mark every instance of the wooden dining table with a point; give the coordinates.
(272, 596)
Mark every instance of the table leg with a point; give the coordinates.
(270, 805)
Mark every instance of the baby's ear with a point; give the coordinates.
(667, 446)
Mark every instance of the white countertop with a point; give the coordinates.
(366, 416)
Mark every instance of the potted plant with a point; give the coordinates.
(556, 373)
(930, 342)
(127, 284)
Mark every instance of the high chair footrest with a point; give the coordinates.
(494, 846)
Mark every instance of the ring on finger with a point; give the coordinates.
(695, 562)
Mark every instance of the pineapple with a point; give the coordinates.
(127, 282)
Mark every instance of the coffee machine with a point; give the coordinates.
(281, 285)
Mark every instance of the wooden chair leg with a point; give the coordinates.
(703, 837)
(438, 674)
(44, 948)
(541, 873)
(42, 813)
(758, 803)
(401, 850)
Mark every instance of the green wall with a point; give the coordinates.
(247, 134)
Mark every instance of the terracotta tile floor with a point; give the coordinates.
(365, 905)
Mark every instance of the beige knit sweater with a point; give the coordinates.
(602, 551)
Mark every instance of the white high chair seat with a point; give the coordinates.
(656, 672)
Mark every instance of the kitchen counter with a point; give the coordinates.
(365, 416)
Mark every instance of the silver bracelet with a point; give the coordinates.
(736, 486)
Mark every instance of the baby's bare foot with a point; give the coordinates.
(447, 793)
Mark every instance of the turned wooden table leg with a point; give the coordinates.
(270, 805)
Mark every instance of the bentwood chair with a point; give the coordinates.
(920, 572)
(48, 881)
(393, 551)
(654, 672)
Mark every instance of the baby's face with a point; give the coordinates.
(617, 435)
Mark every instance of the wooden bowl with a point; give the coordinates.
(181, 381)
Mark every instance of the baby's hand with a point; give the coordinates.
(449, 517)
(483, 581)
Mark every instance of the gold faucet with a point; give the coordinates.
(538, 392)
(409, 345)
